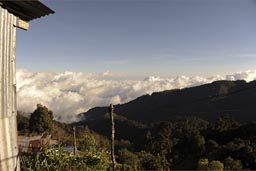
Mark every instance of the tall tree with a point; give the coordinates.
(41, 120)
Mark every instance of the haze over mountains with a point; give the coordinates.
(70, 93)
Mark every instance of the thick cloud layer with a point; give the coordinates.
(70, 93)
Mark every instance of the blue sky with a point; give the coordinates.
(139, 38)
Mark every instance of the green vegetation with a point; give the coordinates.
(41, 120)
(59, 159)
(187, 143)
(204, 164)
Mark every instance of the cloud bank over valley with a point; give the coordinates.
(70, 93)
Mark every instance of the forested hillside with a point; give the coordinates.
(208, 101)
(190, 143)
(161, 131)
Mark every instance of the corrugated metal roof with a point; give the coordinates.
(26, 10)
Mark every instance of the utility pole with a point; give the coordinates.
(74, 140)
(111, 114)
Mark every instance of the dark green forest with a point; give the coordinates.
(208, 101)
(207, 127)
(188, 143)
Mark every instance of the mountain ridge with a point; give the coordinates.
(208, 101)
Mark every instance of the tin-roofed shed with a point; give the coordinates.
(13, 14)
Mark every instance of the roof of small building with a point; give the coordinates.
(26, 10)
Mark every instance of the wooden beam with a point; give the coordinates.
(22, 24)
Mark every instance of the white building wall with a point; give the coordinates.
(8, 123)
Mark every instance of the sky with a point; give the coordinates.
(142, 37)
(96, 52)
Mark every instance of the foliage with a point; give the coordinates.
(128, 159)
(149, 161)
(59, 159)
(231, 164)
(87, 143)
(160, 138)
(49, 159)
(204, 164)
(41, 120)
(223, 123)
(185, 143)
(22, 122)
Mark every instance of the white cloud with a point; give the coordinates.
(248, 75)
(70, 93)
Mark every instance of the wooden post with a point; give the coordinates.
(111, 114)
(74, 140)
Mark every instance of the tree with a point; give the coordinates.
(41, 120)
(203, 164)
(213, 151)
(160, 139)
(225, 122)
(149, 161)
(87, 143)
(128, 158)
(231, 164)
(215, 165)
(22, 121)
(188, 151)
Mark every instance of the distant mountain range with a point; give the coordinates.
(209, 101)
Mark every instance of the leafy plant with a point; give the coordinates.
(58, 159)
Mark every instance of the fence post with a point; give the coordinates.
(111, 113)
(74, 140)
